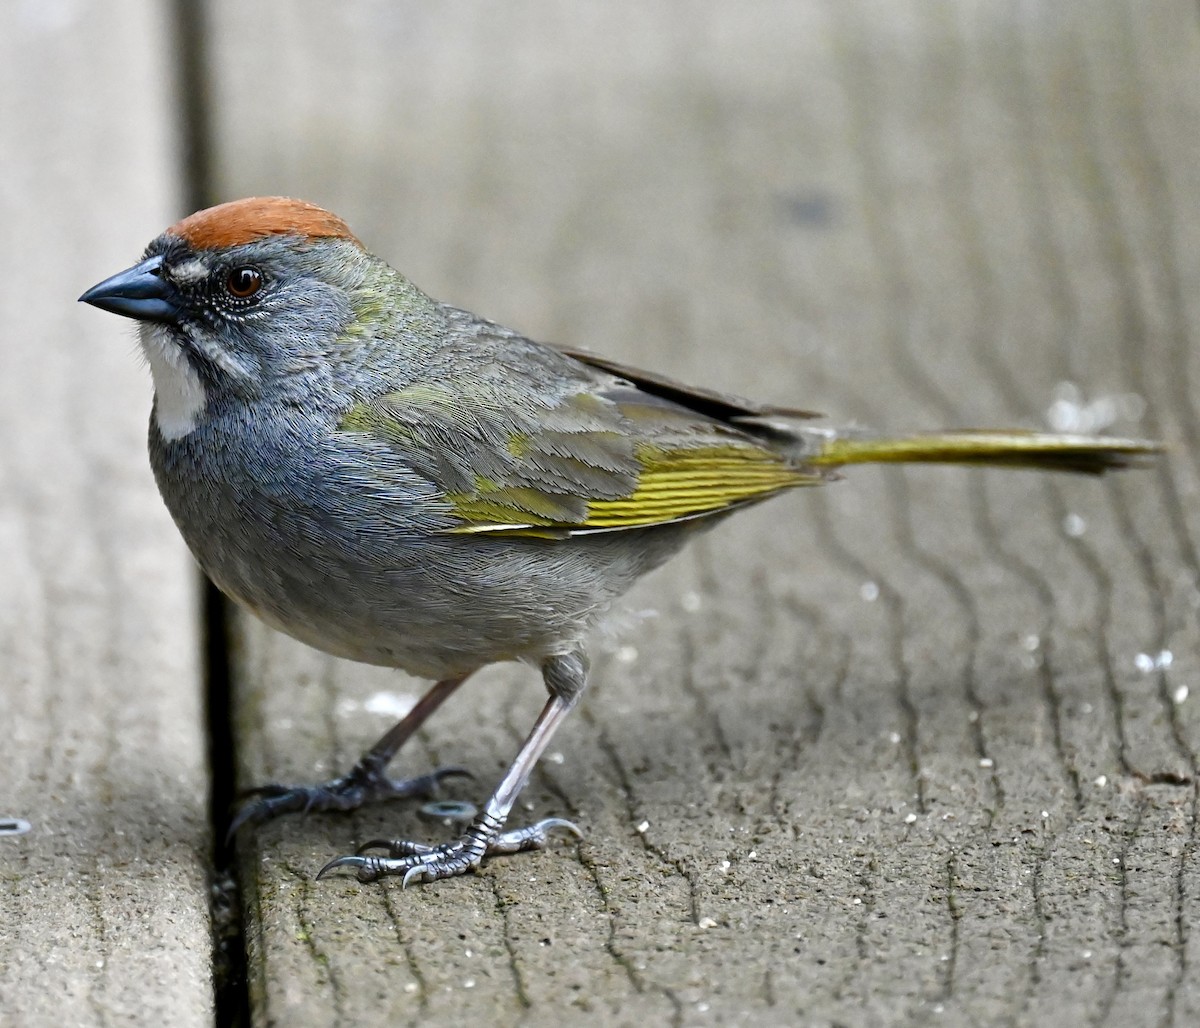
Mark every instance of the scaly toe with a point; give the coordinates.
(532, 837)
(362, 785)
(417, 861)
(396, 848)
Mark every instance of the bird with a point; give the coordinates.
(398, 481)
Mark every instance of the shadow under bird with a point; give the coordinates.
(397, 481)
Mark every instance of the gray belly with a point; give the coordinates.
(435, 607)
(364, 573)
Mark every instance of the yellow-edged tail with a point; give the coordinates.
(1090, 455)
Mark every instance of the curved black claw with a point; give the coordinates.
(419, 862)
(362, 785)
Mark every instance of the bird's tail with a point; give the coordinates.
(1091, 455)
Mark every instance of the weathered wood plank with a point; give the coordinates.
(104, 903)
(885, 750)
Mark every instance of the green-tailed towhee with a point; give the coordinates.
(399, 482)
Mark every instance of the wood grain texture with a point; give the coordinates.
(104, 903)
(903, 747)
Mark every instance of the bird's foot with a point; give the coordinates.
(418, 862)
(365, 783)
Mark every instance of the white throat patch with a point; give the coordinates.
(179, 395)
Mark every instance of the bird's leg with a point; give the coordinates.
(565, 676)
(365, 782)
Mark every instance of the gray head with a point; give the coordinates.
(240, 300)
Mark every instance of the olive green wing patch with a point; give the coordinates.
(672, 485)
(575, 463)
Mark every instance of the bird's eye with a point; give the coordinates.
(243, 282)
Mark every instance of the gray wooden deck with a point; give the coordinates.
(919, 748)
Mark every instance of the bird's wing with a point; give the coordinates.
(547, 447)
